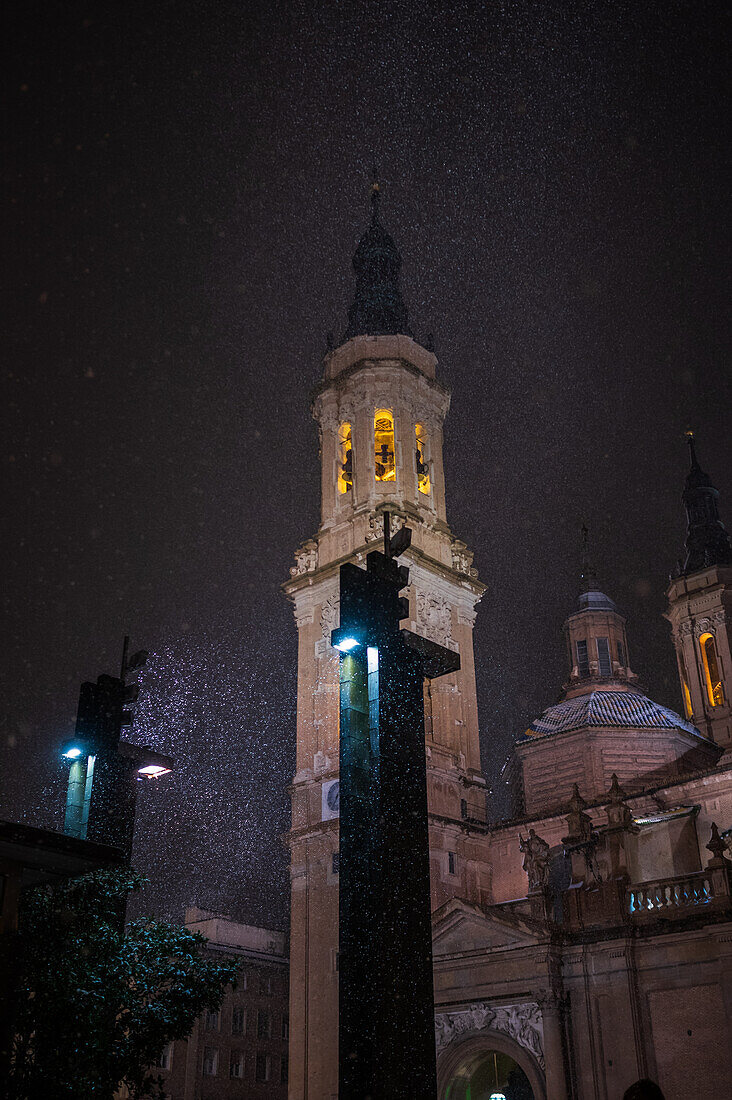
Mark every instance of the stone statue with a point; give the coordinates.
(536, 860)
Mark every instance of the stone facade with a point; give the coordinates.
(587, 941)
(241, 1050)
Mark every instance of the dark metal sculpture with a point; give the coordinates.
(386, 997)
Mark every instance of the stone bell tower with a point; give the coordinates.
(380, 411)
(700, 609)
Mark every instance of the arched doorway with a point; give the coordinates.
(489, 1066)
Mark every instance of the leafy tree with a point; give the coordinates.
(96, 1004)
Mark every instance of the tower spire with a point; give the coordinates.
(587, 576)
(378, 308)
(707, 539)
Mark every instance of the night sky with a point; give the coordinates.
(184, 187)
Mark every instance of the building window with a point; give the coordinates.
(212, 1021)
(385, 465)
(238, 1020)
(263, 1070)
(210, 1061)
(283, 1071)
(688, 709)
(711, 670)
(264, 1025)
(236, 1064)
(265, 983)
(621, 655)
(422, 460)
(165, 1061)
(241, 981)
(335, 863)
(583, 664)
(452, 863)
(603, 657)
(285, 1027)
(345, 459)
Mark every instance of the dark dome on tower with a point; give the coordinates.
(378, 308)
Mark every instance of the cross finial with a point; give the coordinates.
(587, 574)
(692, 450)
(375, 194)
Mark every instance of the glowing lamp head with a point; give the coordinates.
(153, 771)
(72, 752)
(498, 1096)
(347, 644)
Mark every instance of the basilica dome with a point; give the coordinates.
(615, 709)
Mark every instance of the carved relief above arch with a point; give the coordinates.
(465, 1038)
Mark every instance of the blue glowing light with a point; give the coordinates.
(347, 644)
(73, 752)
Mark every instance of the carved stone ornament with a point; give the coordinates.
(434, 618)
(685, 628)
(522, 1023)
(306, 559)
(462, 559)
(376, 526)
(330, 616)
(705, 625)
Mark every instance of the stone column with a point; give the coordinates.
(556, 1080)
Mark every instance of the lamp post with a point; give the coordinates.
(102, 785)
(386, 996)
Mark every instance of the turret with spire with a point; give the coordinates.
(707, 539)
(700, 608)
(596, 639)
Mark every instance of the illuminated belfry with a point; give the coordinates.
(700, 609)
(380, 411)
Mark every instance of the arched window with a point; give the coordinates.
(711, 670)
(345, 459)
(422, 460)
(385, 467)
(688, 711)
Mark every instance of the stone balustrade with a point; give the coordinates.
(671, 897)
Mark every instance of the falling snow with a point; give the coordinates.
(186, 186)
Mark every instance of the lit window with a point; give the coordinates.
(603, 657)
(452, 863)
(688, 709)
(384, 445)
(236, 1064)
(212, 1021)
(238, 1020)
(210, 1061)
(345, 459)
(165, 1061)
(711, 670)
(285, 1027)
(421, 458)
(283, 1071)
(264, 1067)
(264, 1025)
(583, 664)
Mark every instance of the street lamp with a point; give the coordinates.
(104, 770)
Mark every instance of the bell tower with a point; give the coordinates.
(700, 609)
(380, 410)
